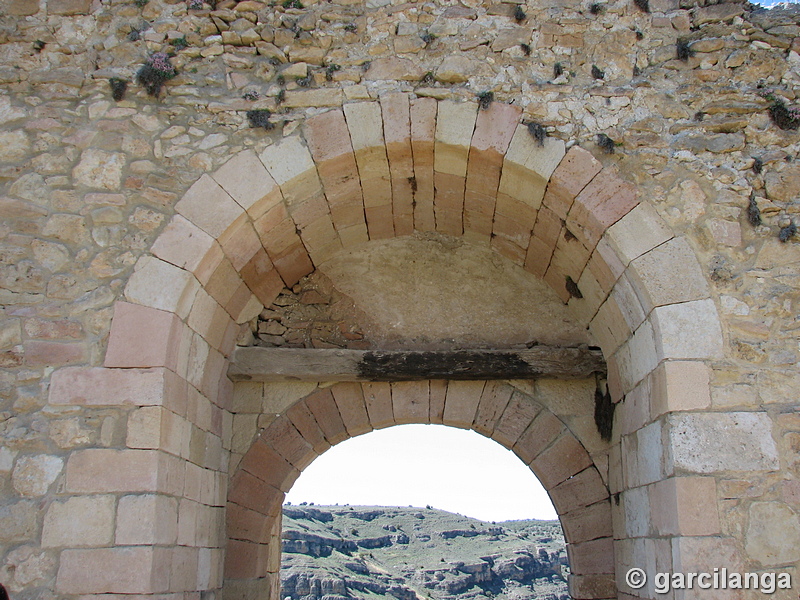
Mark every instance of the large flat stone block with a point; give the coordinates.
(688, 330)
(209, 207)
(717, 442)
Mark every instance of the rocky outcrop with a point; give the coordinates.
(341, 560)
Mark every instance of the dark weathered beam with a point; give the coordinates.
(301, 364)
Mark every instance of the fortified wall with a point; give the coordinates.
(181, 181)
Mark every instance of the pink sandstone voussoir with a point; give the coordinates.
(563, 459)
(494, 400)
(423, 132)
(223, 283)
(538, 256)
(293, 264)
(603, 202)
(245, 525)
(516, 418)
(266, 464)
(592, 557)
(495, 126)
(262, 278)
(303, 420)
(438, 396)
(509, 249)
(540, 433)
(592, 587)
(287, 441)
(588, 523)
(143, 337)
(253, 493)
(183, 244)
(378, 399)
(327, 136)
(410, 401)
(396, 112)
(240, 241)
(461, 403)
(350, 401)
(242, 559)
(574, 172)
(583, 489)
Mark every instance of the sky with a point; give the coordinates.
(451, 469)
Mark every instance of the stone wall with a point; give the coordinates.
(89, 182)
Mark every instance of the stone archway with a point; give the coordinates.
(376, 170)
(494, 409)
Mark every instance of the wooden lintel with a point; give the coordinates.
(304, 364)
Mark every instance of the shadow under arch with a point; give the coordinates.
(494, 409)
(369, 171)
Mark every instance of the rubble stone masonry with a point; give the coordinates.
(625, 174)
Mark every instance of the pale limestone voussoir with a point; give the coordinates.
(161, 285)
(209, 206)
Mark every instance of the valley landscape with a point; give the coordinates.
(357, 552)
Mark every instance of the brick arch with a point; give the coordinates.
(369, 171)
(496, 410)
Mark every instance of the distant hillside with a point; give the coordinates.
(358, 552)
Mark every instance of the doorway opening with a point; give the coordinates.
(421, 511)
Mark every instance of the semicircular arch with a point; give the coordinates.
(497, 410)
(386, 168)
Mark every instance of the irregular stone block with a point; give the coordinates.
(718, 143)
(33, 475)
(19, 521)
(100, 169)
(773, 534)
(456, 69)
(20, 8)
(726, 11)
(68, 7)
(393, 69)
